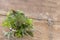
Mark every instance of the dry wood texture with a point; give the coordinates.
(45, 15)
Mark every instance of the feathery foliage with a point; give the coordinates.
(19, 22)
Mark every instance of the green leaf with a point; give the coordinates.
(29, 21)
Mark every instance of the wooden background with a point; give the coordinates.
(45, 15)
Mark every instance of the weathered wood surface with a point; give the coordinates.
(43, 10)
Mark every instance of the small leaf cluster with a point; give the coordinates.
(19, 22)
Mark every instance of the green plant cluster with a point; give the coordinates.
(19, 22)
